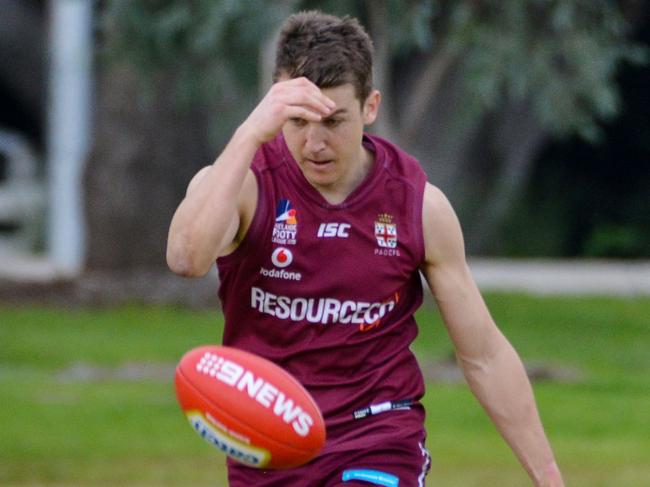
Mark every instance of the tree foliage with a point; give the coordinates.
(562, 55)
(473, 89)
(209, 47)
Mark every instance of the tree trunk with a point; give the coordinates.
(377, 18)
(145, 153)
(517, 139)
(480, 163)
(426, 89)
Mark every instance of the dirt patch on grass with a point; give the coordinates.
(446, 371)
(115, 288)
(442, 371)
(129, 371)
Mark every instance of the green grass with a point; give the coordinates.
(119, 432)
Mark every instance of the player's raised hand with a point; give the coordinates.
(293, 98)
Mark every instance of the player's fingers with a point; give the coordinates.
(302, 91)
(311, 100)
(325, 100)
(322, 105)
(302, 112)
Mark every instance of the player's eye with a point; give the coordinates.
(298, 122)
(332, 122)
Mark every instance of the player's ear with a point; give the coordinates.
(371, 107)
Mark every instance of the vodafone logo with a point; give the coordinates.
(282, 257)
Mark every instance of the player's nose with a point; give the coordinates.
(315, 139)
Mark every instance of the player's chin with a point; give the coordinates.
(320, 179)
(322, 174)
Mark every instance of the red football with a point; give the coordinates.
(249, 408)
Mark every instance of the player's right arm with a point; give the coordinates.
(221, 198)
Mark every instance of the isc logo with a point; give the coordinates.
(329, 230)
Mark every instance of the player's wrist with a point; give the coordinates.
(259, 127)
(248, 133)
(550, 476)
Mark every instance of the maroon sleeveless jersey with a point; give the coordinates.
(328, 292)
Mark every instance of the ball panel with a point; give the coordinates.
(233, 436)
(257, 386)
(245, 406)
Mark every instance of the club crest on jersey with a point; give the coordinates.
(285, 230)
(386, 231)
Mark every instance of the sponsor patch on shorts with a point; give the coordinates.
(376, 477)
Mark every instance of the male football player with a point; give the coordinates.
(321, 233)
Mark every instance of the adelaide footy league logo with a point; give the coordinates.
(386, 231)
(285, 230)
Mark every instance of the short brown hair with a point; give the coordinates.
(329, 51)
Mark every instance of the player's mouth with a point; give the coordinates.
(320, 163)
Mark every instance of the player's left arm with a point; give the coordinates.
(490, 364)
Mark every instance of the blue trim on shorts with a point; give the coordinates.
(376, 477)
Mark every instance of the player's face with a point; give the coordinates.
(330, 152)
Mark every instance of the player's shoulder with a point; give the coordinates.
(397, 161)
(435, 201)
(441, 228)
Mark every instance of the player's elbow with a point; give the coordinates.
(480, 357)
(183, 262)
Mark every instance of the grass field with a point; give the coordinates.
(86, 396)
